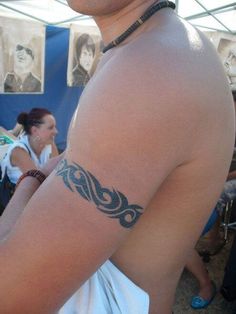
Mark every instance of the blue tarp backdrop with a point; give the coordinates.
(60, 99)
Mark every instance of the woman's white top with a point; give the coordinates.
(14, 172)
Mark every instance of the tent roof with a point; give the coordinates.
(210, 14)
(49, 12)
(207, 14)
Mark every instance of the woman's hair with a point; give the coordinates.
(84, 40)
(33, 118)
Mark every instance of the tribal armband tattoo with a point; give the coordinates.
(111, 202)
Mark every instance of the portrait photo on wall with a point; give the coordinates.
(22, 62)
(227, 52)
(84, 53)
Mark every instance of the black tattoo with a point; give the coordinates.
(111, 202)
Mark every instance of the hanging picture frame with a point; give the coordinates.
(22, 56)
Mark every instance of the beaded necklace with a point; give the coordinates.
(143, 18)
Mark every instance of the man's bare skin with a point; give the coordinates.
(154, 123)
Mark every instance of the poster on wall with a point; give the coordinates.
(22, 56)
(227, 52)
(84, 53)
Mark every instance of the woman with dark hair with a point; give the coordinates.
(85, 52)
(34, 147)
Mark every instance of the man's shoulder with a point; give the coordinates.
(9, 76)
(32, 83)
(165, 67)
(176, 45)
(33, 78)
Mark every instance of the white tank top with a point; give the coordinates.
(14, 172)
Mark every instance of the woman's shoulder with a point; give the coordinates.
(21, 142)
(12, 149)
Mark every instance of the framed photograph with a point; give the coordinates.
(22, 56)
(227, 52)
(84, 53)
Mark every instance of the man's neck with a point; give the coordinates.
(113, 25)
(20, 74)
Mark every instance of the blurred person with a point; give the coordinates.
(207, 287)
(228, 193)
(21, 79)
(34, 147)
(195, 264)
(111, 227)
(85, 53)
(17, 130)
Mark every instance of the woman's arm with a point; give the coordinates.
(20, 158)
(20, 198)
(16, 205)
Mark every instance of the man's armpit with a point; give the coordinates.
(111, 202)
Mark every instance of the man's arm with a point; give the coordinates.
(86, 208)
(58, 242)
(16, 205)
(21, 197)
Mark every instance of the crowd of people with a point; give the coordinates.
(109, 225)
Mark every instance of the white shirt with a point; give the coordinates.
(14, 172)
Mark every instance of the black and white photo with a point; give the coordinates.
(22, 56)
(227, 52)
(84, 53)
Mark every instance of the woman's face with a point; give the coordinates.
(86, 58)
(47, 130)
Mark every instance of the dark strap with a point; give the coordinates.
(27, 148)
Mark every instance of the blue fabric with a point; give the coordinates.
(210, 222)
(60, 99)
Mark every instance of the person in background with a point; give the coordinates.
(110, 228)
(34, 147)
(85, 52)
(229, 190)
(17, 130)
(195, 264)
(21, 79)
